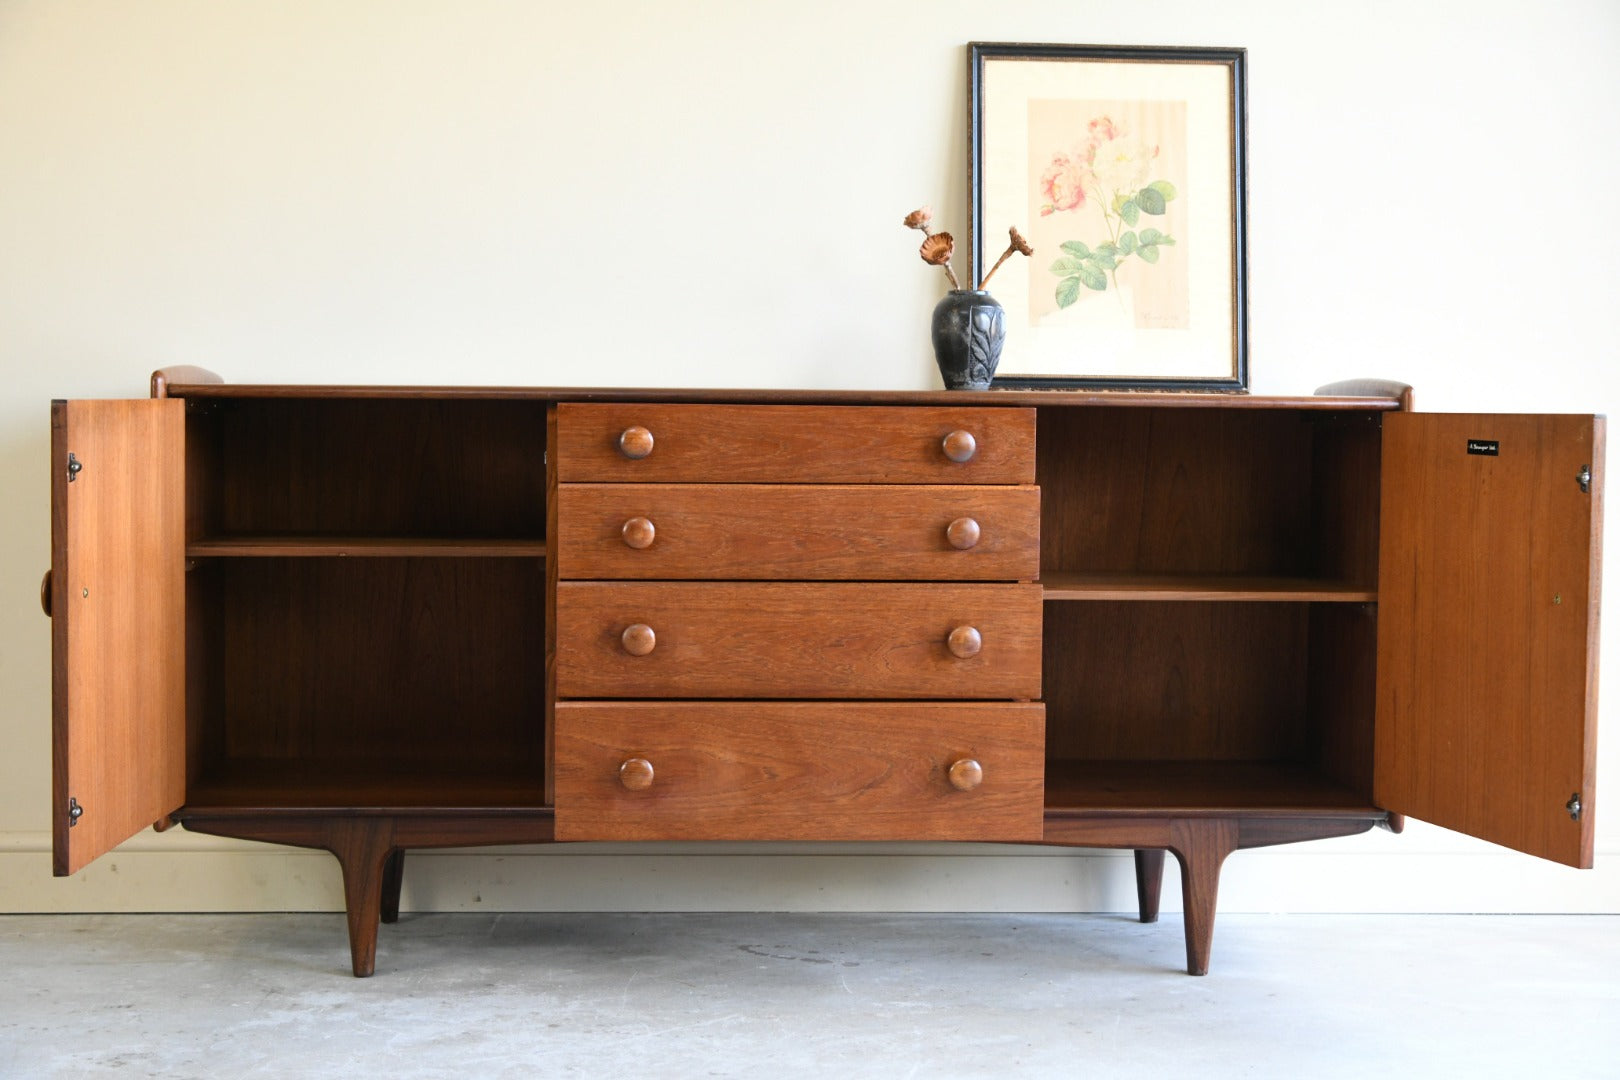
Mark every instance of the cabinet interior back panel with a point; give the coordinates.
(397, 468)
(1175, 681)
(1193, 491)
(430, 660)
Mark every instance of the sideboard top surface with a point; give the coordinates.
(1113, 398)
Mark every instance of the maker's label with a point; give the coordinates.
(1488, 447)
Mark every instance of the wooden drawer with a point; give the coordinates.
(812, 444)
(757, 640)
(766, 532)
(799, 771)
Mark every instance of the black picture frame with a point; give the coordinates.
(1233, 374)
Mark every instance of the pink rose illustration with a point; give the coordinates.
(1063, 183)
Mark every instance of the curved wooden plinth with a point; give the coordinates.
(1200, 844)
(370, 848)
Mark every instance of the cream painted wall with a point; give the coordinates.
(709, 194)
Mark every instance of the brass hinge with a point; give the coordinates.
(73, 467)
(1574, 807)
(75, 812)
(1584, 478)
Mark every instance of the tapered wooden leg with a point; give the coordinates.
(362, 847)
(1149, 879)
(393, 878)
(1201, 847)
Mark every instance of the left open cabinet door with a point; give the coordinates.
(117, 602)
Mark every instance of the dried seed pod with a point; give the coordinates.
(919, 218)
(937, 249)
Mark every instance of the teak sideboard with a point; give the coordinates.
(374, 619)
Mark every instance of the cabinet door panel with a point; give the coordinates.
(1487, 627)
(118, 622)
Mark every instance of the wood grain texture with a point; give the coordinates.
(189, 374)
(1341, 699)
(388, 668)
(341, 468)
(1278, 494)
(1198, 788)
(798, 532)
(1487, 635)
(363, 547)
(798, 771)
(1014, 398)
(552, 544)
(1190, 681)
(1070, 585)
(118, 629)
(795, 444)
(776, 640)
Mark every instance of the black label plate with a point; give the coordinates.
(1488, 447)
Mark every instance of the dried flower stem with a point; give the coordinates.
(1005, 255)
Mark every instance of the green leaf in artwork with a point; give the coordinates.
(1066, 267)
(1075, 248)
(1120, 199)
(1129, 211)
(1127, 242)
(1093, 278)
(1151, 201)
(1149, 253)
(1105, 260)
(1168, 241)
(1163, 187)
(1068, 291)
(1150, 236)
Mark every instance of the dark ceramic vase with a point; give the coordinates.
(969, 327)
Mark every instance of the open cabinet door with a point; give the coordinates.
(117, 603)
(1487, 626)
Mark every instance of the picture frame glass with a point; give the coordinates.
(1123, 168)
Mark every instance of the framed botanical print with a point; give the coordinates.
(1124, 168)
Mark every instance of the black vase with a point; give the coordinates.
(969, 327)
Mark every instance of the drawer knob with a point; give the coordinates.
(962, 533)
(636, 774)
(638, 533)
(963, 642)
(636, 443)
(639, 639)
(966, 774)
(960, 446)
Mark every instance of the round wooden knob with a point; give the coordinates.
(45, 593)
(965, 774)
(964, 642)
(638, 640)
(960, 445)
(636, 774)
(636, 443)
(638, 533)
(962, 533)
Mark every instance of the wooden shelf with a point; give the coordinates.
(1197, 787)
(366, 785)
(362, 547)
(1071, 585)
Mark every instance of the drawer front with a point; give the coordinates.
(776, 532)
(799, 770)
(758, 640)
(813, 444)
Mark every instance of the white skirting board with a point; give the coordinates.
(1431, 871)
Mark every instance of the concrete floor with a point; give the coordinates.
(820, 996)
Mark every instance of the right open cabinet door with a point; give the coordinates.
(1488, 567)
